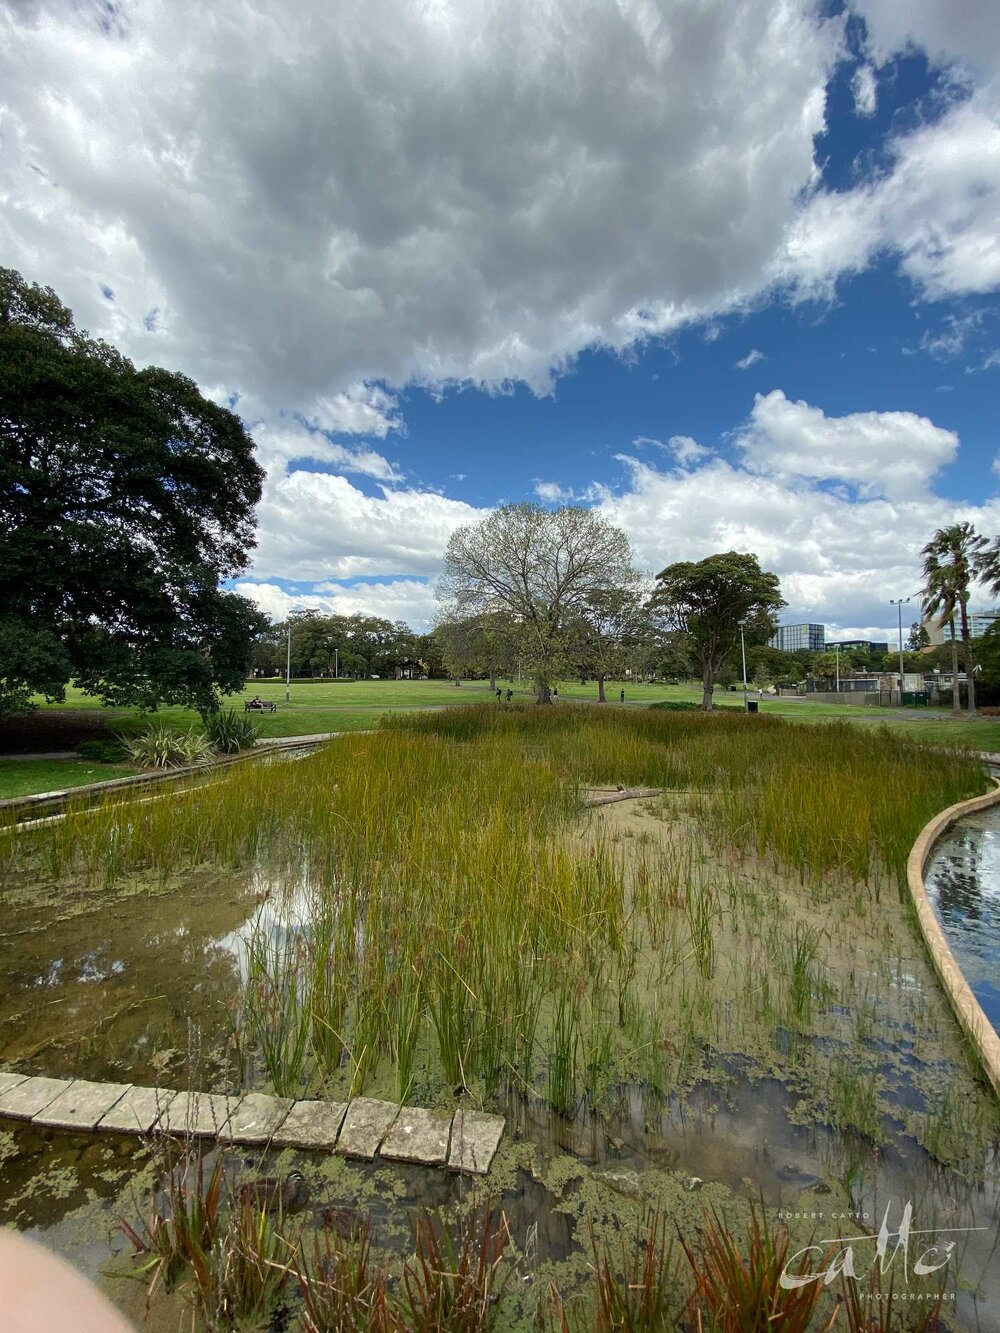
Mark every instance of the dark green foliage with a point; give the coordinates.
(231, 732)
(708, 600)
(102, 752)
(125, 498)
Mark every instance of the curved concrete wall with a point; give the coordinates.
(967, 1008)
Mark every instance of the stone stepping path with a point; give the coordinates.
(363, 1128)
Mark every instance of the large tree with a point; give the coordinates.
(540, 568)
(709, 600)
(953, 559)
(612, 625)
(126, 499)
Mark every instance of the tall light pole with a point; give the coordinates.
(743, 654)
(836, 653)
(899, 602)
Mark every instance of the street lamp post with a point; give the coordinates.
(898, 602)
(836, 653)
(743, 654)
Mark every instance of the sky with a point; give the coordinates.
(725, 270)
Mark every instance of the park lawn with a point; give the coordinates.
(26, 777)
(326, 705)
(314, 694)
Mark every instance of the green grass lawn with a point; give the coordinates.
(25, 777)
(326, 705)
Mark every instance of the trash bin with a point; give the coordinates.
(753, 706)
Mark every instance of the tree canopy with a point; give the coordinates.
(126, 499)
(540, 567)
(709, 600)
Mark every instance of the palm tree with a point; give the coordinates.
(952, 561)
(986, 567)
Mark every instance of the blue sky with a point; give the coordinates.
(726, 270)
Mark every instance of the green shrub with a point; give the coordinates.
(102, 752)
(159, 747)
(231, 732)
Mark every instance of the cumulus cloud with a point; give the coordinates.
(317, 525)
(362, 409)
(550, 492)
(966, 31)
(280, 440)
(839, 507)
(456, 191)
(838, 560)
(935, 205)
(891, 454)
(686, 450)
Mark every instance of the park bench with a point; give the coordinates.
(268, 706)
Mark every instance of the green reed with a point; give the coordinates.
(460, 928)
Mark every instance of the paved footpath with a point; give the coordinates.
(463, 1140)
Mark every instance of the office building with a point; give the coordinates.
(793, 638)
(979, 623)
(860, 645)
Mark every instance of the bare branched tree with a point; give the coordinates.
(542, 568)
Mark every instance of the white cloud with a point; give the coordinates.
(686, 450)
(410, 600)
(315, 525)
(837, 560)
(443, 192)
(363, 409)
(865, 90)
(951, 337)
(751, 359)
(281, 440)
(936, 209)
(550, 492)
(965, 30)
(891, 454)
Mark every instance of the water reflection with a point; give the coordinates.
(963, 883)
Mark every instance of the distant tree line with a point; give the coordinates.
(352, 647)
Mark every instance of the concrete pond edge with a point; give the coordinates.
(463, 1140)
(968, 1010)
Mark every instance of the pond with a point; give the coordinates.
(962, 879)
(699, 1025)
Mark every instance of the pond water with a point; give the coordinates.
(137, 982)
(963, 883)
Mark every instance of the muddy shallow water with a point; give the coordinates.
(554, 1177)
(963, 883)
(137, 981)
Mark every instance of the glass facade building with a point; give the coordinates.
(793, 638)
(864, 645)
(979, 623)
